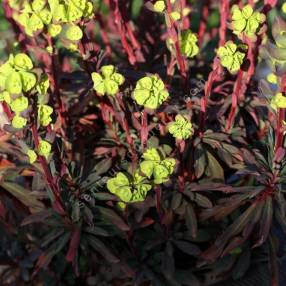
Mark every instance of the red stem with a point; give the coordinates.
(174, 36)
(224, 10)
(203, 22)
(144, 129)
(234, 99)
(48, 176)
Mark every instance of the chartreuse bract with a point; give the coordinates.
(150, 92)
(108, 81)
(231, 56)
(278, 101)
(188, 44)
(16, 78)
(19, 89)
(154, 169)
(181, 128)
(129, 189)
(245, 21)
(53, 16)
(44, 148)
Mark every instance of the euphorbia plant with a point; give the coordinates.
(127, 171)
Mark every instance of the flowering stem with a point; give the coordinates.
(125, 126)
(158, 200)
(280, 118)
(144, 129)
(181, 147)
(48, 176)
(54, 69)
(174, 36)
(224, 10)
(208, 88)
(203, 22)
(119, 22)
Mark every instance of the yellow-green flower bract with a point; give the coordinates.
(156, 166)
(284, 8)
(129, 189)
(278, 101)
(35, 15)
(54, 30)
(5, 96)
(188, 44)
(19, 104)
(19, 122)
(230, 56)
(246, 21)
(175, 16)
(108, 82)
(150, 92)
(159, 6)
(181, 128)
(44, 114)
(44, 148)
(272, 78)
(73, 33)
(16, 75)
(32, 155)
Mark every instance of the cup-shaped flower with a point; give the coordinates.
(16, 75)
(43, 85)
(129, 189)
(32, 155)
(188, 44)
(13, 83)
(278, 101)
(54, 30)
(108, 82)
(23, 62)
(159, 6)
(28, 79)
(154, 165)
(181, 128)
(272, 78)
(44, 148)
(19, 104)
(73, 33)
(19, 122)
(5, 96)
(44, 114)
(230, 57)
(283, 8)
(246, 21)
(150, 92)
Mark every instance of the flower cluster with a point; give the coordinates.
(16, 78)
(181, 128)
(157, 166)
(130, 189)
(17, 81)
(246, 21)
(278, 101)
(188, 44)
(230, 56)
(44, 149)
(36, 15)
(150, 92)
(107, 83)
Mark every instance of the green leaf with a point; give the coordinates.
(188, 247)
(112, 217)
(101, 248)
(24, 196)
